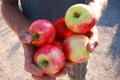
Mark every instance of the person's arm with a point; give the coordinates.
(98, 6)
(15, 19)
(19, 24)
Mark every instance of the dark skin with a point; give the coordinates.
(20, 24)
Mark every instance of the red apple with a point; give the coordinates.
(75, 48)
(80, 18)
(61, 30)
(50, 59)
(58, 43)
(43, 32)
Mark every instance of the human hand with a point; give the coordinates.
(61, 72)
(29, 51)
(93, 36)
(92, 44)
(30, 67)
(25, 37)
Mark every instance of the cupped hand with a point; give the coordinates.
(29, 51)
(36, 72)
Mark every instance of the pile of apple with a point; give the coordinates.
(62, 40)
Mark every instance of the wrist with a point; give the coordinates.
(98, 7)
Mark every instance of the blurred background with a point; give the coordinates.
(103, 65)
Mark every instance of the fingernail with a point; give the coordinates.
(28, 38)
(91, 48)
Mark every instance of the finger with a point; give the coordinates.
(43, 77)
(36, 77)
(93, 42)
(93, 32)
(48, 78)
(60, 73)
(33, 69)
(29, 51)
(92, 45)
(26, 38)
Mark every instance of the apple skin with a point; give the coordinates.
(58, 43)
(80, 18)
(43, 32)
(62, 30)
(75, 48)
(50, 59)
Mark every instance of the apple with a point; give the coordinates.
(58, 43)
(43, 32)
(62, 31)
(80, 18)
(50, 59)
(75, 48)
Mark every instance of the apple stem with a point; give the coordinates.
(43, 64)
(76, 14)
(35, 36)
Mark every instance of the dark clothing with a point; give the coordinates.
(51, 10)
(77, 71)
(46, 9)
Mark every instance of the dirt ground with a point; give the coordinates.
(103, 65)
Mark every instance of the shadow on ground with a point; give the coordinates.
(111, 18)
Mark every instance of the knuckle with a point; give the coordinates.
(25, 38)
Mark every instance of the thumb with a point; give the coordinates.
(92, 44)
(26, 38)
